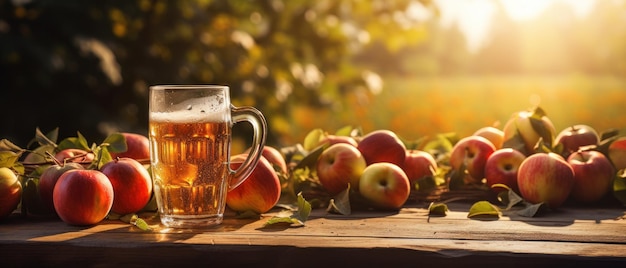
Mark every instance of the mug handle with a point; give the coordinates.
(259, 128)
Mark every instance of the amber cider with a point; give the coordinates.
(189, 166)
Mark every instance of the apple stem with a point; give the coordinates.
(54, 159)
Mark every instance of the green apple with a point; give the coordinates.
(10, 192)
(525, 128)
(385, 186)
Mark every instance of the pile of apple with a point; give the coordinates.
(526, 156)
(376, 168)
(81, 192)
(529, 157)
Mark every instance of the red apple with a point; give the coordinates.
(10, 192)
(520, 126)
(275, 157)
(545, 177)
(593, 175)
(74, 155)
(617, 153)
(384, 185)
(333, 139)
(132, 184)
(382, 146)
(419, 164)
(137, 147)
(83, 196)
(49, 178)
(339, 165)
(493, 134)
(472, 152)
(502, 167)
(260, 192)
(576, 136)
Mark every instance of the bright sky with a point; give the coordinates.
(474, 15)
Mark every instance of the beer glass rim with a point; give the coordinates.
(182, 87)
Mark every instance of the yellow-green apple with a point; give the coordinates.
(83, 196)
(576, 136)
(593, 176)
(502, 167)
(10, 192)
(384, 185)
(525, 128)
(493, 134)
(332, 139)
(617, 153)
(471, 152)
(137, 147)
(382, 146)
(545, 177)
(259, 192)
(74, 155)
(49, 178)
(132, 184)
(339, 165)
(419, 164)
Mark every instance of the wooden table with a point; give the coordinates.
(587, 237)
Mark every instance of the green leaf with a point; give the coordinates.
(509, 198)
(345, 131)
(437, 209)
(483, 209)
(8, 158)
(296, 218)
(116, 143)
(136, 221)
(341, 203)
(619, 187)
(6, 145)
(310, 160)
(304, 208)
(49, 139)
(312, 139)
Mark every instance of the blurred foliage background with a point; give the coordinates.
(86, 65)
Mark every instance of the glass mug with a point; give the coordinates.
(190, 135)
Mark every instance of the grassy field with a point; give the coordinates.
(419, 107)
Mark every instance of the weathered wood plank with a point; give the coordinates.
(593, 236)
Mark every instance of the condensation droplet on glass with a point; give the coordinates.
(189, 107)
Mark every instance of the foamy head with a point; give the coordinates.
(193, 111)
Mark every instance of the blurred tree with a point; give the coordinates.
(86, 65)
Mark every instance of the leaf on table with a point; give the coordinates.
(483, 209)
(293, 218)
(437, 209)
(136, 221)
(509, 198)
(341, 203)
